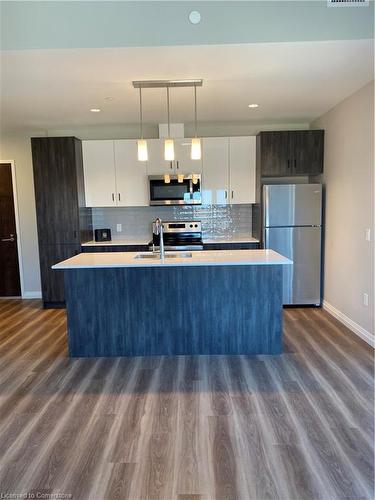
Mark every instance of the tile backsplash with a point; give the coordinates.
(218, 221)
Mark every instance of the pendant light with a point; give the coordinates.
(196, 150)
(168, 143)
(142, 143)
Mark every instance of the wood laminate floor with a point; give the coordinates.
(296, 426)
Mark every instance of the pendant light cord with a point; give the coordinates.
(195, 112)
(169, 126)
(140, 112)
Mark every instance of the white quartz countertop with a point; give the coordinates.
(123, 241)
(204, 258)
(243, 238)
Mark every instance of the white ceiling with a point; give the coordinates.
(46, 89)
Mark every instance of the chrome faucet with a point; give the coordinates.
(159, 231)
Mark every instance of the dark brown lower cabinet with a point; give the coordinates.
(53, 292)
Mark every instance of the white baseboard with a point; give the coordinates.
(352, 325)
(32, 295)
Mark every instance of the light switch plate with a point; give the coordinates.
(368, 234)
(119, 228)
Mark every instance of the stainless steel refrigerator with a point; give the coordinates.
(292, 225)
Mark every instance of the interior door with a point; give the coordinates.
(131, 175)
(215, 176)
(242, 157)
(99, 170)
(9, 269)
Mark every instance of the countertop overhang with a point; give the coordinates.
(199, 258)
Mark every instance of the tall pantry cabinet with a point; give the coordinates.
(63, 220)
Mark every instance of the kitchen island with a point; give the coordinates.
(211, 302)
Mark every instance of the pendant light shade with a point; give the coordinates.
(142, 150)
(169, 150)
(142, 143)
(167, 178)
(196, 150)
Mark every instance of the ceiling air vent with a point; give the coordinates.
(347, 3)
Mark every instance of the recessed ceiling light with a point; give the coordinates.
(95, 110)
(108, 98)
(253, 105)
(195, 17)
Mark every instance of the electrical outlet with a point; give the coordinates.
(119, 228)
(368, 234)
(365, 299)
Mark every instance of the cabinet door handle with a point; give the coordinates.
(295, 163)
(288, 164)
(113, 196)
(232, 194)
(171, 163)
(178, 165)
(226, 194)
(119, 197)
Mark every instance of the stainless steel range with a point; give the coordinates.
(179, 235)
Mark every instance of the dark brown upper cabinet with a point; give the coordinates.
(59, 189)
(290, 153)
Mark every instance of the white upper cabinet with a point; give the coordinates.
(131, 175)
(215, 176)
(183, 162)
(242, 156)
(99, 172)
(156, 164)
(115, 177)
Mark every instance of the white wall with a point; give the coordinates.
(349, 184)
(18, 148)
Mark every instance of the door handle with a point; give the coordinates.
(8, 239)
(288, 164)
(295, 163)
(178, 165)
(171, 163)
(119, 197)
(226, 194)
(113, 196)
(232, 194)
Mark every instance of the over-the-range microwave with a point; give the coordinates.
(175, 189)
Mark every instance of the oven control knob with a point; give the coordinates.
(191, 225)
(196, 225)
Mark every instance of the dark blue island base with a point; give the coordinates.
(174, 310)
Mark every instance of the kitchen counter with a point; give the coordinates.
(198, 258)
(119, 242)
(216, 302)
(145, 241)
(240, 238)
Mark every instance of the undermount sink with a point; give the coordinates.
(168, 255)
